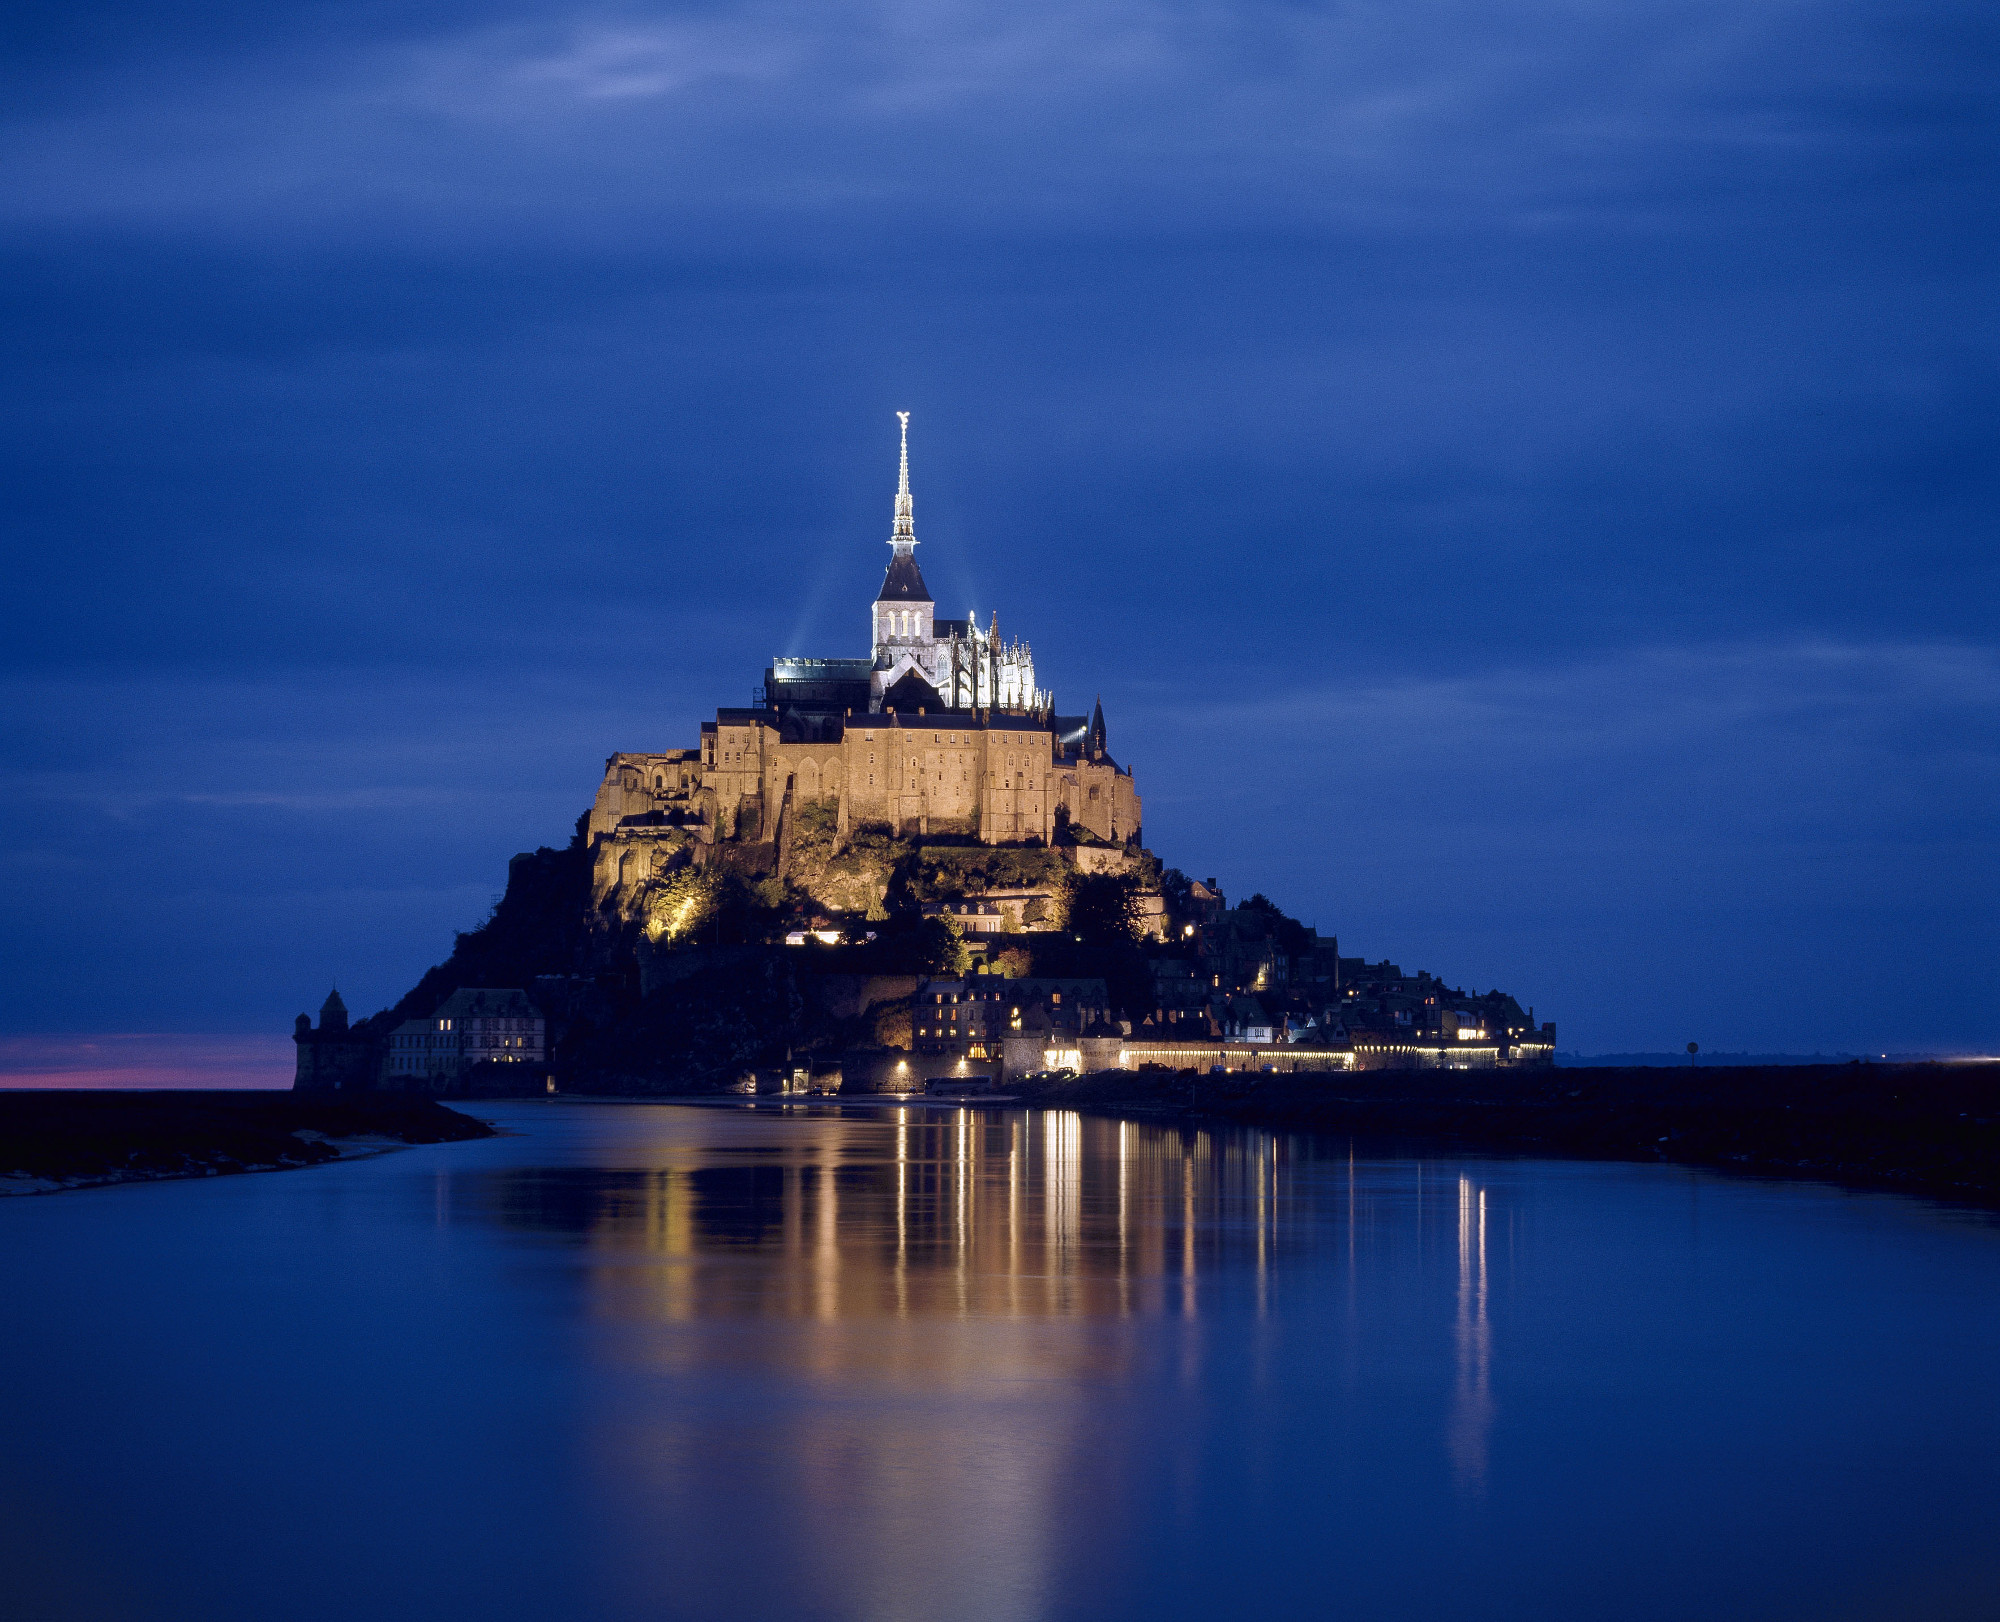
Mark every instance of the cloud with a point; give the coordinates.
(1657, 834)
(620, 63)
(1746, 754)
(1077, 117)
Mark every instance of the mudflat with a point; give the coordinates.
(55, 1139)
(1921, 1128)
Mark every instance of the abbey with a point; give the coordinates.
(887, 871)
(941, 729)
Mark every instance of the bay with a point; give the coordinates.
(832, 1361)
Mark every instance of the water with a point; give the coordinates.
(655, 1361)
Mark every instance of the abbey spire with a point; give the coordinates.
(904, 535)
(904, 582)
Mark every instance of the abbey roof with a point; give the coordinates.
(904, 582)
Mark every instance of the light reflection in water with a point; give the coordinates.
(919, 1211)
(940, 1253)
(1472, 1396)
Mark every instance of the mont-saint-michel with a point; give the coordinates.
(910, 868)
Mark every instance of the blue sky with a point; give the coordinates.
(1521, 475)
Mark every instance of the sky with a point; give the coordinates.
(1521, 475)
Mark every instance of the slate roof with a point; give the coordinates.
(910, 692)
(476, 1002)
(904, 583)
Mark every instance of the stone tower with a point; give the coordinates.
(334, 1058)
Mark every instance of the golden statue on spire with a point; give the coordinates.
(904, 536)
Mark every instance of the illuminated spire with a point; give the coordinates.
(904, 581)
(904, 536)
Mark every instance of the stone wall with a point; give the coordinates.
(342, 1061)
(891, 1070)
(994, 778)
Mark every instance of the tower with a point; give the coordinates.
(903, 608)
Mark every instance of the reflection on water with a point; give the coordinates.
(1472, 1397)
(819, 1360)
(918, 1212)
(1001, 1273)
(960, 1300)
(965, 1257)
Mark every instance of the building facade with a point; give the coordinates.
(470, 1027)
(972, 1017)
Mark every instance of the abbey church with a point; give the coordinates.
(939, 729)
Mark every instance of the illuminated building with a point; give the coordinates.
(940, 729)
(470, 1027)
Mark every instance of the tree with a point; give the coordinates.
(1293, 938)
(1104, 908)
(941, 948)
(680, 904)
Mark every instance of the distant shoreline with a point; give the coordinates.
(52, 1140)
(1931, 1129)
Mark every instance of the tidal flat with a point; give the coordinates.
(53, 1140)
(1928, 1128)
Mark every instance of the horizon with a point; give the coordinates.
(262, 1061)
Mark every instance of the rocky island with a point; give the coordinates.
(885, 872)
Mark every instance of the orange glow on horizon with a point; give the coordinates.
(146, 1060)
